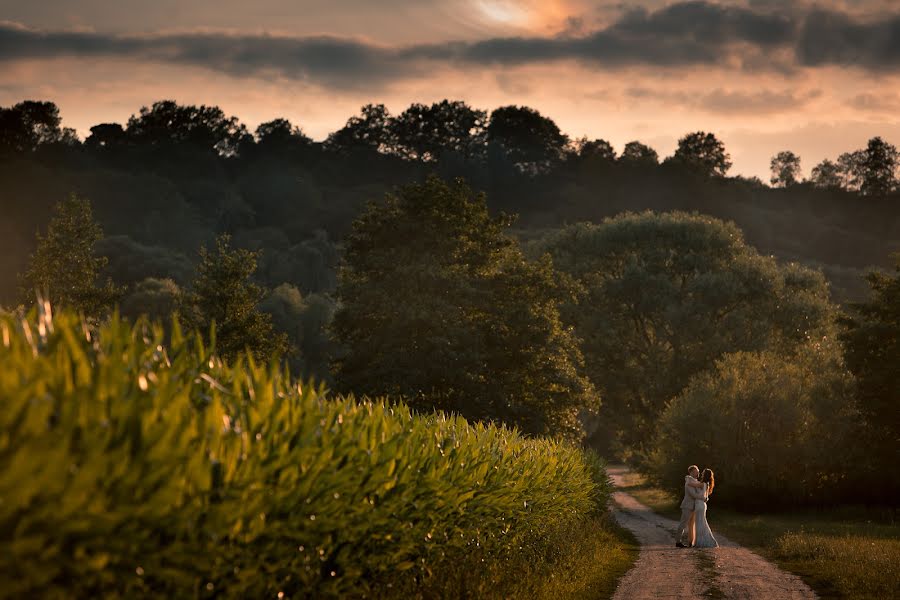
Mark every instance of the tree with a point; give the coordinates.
(878, 168)
(753, 409)
(305, 320)
(372, 130)
(785, 169)
(702, 153)
(426, 132)
(204, 128)
(223, 295)
(530, 140)
(31, 124)
(637, 154)
(437, 305)
(665, 296)
(65, 268)
(850, 170)
(826, 175)
(157, 299)
(871, 337)
(106, 135)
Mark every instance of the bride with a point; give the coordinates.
(704, 536)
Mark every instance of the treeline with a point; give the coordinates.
(174, 177)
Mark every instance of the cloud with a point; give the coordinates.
(728, 102)
(878, 103)
(680, 35)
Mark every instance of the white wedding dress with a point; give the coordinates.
(704, 537)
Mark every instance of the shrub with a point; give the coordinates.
(774, 429)
(131, 469)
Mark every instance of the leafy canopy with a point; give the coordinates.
(65, 268)
(223, 294)
(665, 296)
(438, 305)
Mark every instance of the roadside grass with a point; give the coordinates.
(576, 562)
(842, 552)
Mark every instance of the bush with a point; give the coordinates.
(131, 469)
(774, 429)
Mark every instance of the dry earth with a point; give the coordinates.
(664, 571)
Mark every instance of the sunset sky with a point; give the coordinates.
(764, 75)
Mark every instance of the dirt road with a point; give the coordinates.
(664, 571)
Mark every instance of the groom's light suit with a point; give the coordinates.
(687, 510)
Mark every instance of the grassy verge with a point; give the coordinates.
(844, 552)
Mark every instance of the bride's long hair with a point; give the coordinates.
(709, 478)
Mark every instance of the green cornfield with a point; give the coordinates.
(134, 463)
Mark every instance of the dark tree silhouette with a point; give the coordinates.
(638, 154)
(31, 124)
(204, 128)
(826, 175)
(427, 132)
(878, 168)
(372, 130)
(530, 140)
(702, 153)
(785, 169)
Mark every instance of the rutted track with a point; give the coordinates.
(664, 571)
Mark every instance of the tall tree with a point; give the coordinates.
(702, 153)
(31, 124)
(223, 294)
(65, 266)
(826, 175)
(638, 154)
(666, 295)
(850, 170)
(426, 132)
(785, 168)
(438, 305)
(372, 130)
(871, 336)
(878, 168)
(530, 140)
(204, 128)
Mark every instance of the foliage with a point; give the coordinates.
(157, 299)
(438, 305)
(205, 128)
(223, 295)
(64, 267)
(133, 469)
(30, 125)
(665, 295)
(637, 154)
(305, 320)
(530, 140)
(785, 169)
(871, 337)
(756, 409)
(878, 168)
(427, 132)
(702, 153)
(826, 175)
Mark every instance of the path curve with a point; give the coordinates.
(664, 571)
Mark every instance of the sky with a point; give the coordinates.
(818, 78)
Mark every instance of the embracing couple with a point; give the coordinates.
(693, 510)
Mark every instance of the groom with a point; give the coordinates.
(692, 491)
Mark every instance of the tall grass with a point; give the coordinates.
(136, 465)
